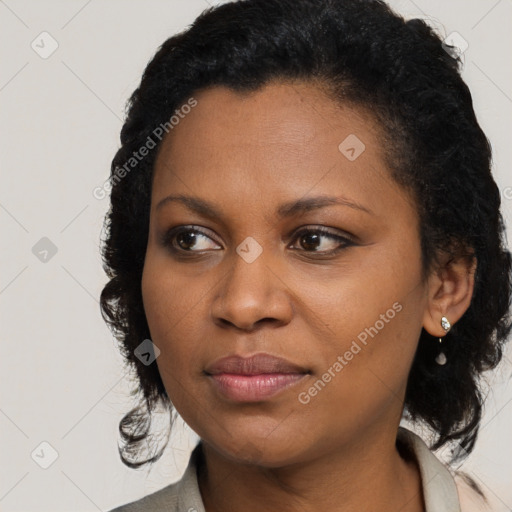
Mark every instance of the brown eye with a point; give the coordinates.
(187, 240)
(311, 241)
(322, 241)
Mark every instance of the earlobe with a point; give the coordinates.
(450, 290)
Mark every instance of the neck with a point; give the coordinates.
(368, 475)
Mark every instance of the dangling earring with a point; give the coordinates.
(445, 324)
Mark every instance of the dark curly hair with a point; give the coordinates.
(362, 54)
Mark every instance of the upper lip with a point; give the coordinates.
(256, 364)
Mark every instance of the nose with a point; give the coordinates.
(252, 294)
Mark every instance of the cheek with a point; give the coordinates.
(374, 319)
(365, 368)
(380, 298)
(174, 304)
(172, 299)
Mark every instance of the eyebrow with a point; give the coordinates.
(285, 210)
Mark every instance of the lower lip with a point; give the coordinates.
(254, 388)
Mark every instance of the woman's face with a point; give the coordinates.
(250, 273)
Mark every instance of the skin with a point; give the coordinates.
(248, 154)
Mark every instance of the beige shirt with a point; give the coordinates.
(442, 492)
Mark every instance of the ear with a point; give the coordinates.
(450, 290)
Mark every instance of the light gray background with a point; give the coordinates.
(62, 379)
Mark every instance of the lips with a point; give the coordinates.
(257, 364)
(253, 379)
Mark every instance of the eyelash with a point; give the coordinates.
(169, 237)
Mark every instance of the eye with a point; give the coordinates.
(322, 241)
(194, 240)
(187, 239)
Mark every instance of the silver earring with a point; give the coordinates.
(445, 324)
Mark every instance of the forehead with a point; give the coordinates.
(284, 139)
(281, 117)
(282, 113)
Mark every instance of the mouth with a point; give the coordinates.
(255, 378)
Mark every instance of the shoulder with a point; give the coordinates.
(445, 489)
(475, 499)
(181, 496)
(163, 499)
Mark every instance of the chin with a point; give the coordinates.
(261, 450)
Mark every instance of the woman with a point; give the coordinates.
(305, 246)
